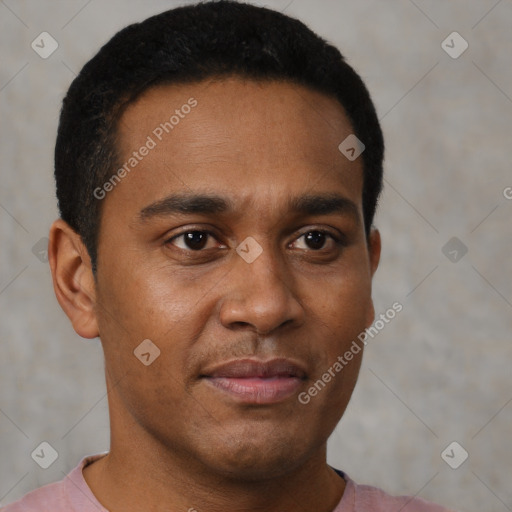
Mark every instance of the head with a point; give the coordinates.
(205, 206)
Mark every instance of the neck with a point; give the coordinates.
(137, 479)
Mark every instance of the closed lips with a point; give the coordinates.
(249, 381)
(250, 368)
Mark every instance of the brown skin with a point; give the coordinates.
(176, 443)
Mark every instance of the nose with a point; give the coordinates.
(261, 295)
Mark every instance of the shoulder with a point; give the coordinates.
(71, 494)
(48, 497)
(362, 498)
(376, 500)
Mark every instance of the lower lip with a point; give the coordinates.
(257, 390)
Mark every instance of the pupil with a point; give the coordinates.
(315, 239)
(195, 239)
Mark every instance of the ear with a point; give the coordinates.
(73, 280)
(374, 249)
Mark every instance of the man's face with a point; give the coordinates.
(295, 295)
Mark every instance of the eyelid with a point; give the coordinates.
(190, 230)
(337, 236)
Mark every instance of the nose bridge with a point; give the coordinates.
(263, 266)
(262, 293)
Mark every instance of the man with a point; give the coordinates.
(218, 168)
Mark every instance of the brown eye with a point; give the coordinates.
(192, 240)
(316, 239)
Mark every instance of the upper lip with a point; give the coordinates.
(247, 368)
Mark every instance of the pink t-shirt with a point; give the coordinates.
(72, 494)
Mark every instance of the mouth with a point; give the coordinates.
(253, 381)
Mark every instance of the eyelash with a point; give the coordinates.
(338, 239)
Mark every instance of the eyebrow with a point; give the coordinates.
(211, 204)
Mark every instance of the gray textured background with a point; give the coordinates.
(439, 372)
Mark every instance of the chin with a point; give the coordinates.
(250, 454)
(254, 466)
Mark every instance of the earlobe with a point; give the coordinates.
(73, 280)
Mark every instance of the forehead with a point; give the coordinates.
(247, 139)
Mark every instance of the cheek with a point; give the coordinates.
(141, 309)
(149, 303)
(343, 302)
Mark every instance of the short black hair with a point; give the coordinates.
(190, 44)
